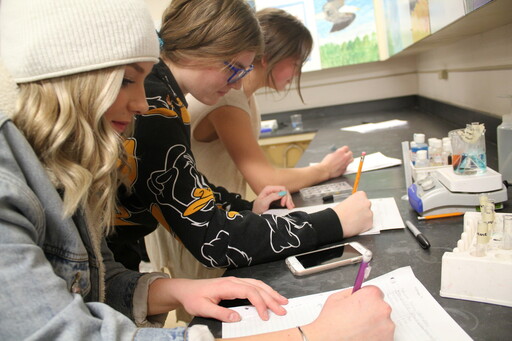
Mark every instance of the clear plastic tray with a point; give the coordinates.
(320, 191)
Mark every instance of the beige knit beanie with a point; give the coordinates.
(41, 39)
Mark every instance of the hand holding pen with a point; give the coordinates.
(364, 270)
(355, 214)
(364, 315)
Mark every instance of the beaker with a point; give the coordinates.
(468, 148)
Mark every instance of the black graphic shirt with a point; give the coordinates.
(218, 227)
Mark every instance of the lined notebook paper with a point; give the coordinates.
(416, 314)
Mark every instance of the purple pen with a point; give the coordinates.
(364, 270)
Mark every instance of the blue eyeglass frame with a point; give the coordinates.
(238, 73)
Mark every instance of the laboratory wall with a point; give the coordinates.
(471, 72)
(478, 72)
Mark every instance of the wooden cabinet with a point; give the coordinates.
(285, 151)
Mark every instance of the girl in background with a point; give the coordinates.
(225, 135)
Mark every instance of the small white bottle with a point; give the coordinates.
(504, 139)
(412, 146)
(419, 140)
(436, 158)
(447, 151)
(421, 159)
(430, 142)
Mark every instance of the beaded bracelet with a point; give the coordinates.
(304, 337)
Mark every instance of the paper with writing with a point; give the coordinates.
(416, 314)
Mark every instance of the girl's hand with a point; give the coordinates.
(336, 163)
(270, 194)
(201, 297)
(363, 315)
(355, 214)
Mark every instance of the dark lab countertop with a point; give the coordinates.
(395, 248)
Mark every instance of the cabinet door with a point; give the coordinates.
(285, 151)
(284, 154)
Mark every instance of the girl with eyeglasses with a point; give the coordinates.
(78, 75)
(225, 135)
(207, 46)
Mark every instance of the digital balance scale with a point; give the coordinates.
(443, 191)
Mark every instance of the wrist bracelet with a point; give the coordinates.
(304, 337)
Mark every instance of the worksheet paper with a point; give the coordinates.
(371, 162)
(369, 127)
(416, 314)
(386, 215)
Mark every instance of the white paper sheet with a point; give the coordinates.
(416, 314)
(386, 215)
(368, 127)
(371, 162)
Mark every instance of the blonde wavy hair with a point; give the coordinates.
(209, 32)
(63, 119)
(285, 37)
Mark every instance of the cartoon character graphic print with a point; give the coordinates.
(181, 199)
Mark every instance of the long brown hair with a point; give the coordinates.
(285, 36)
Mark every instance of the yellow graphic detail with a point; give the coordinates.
(162, 111)
(232, 214)
(203, 195)
(122, 216)
(185, 116)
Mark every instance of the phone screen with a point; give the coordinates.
(328, 256)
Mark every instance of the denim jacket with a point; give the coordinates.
(57, 280)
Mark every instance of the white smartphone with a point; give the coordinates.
(325, 258)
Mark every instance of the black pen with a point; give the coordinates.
(334, 197)
(418, 235)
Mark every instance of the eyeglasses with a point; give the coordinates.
(237, 72)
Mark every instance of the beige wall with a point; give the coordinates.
(479, 70)
(157, 7)
(363, 82)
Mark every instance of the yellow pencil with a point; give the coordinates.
(358, 175)
(445, 215)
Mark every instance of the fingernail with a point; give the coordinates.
(282, 193)
(234, 317)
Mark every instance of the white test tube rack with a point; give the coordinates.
(483, 279)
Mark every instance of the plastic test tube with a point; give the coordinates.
(460, 245)
(481, 239)
(464, 238)
(507, 232)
